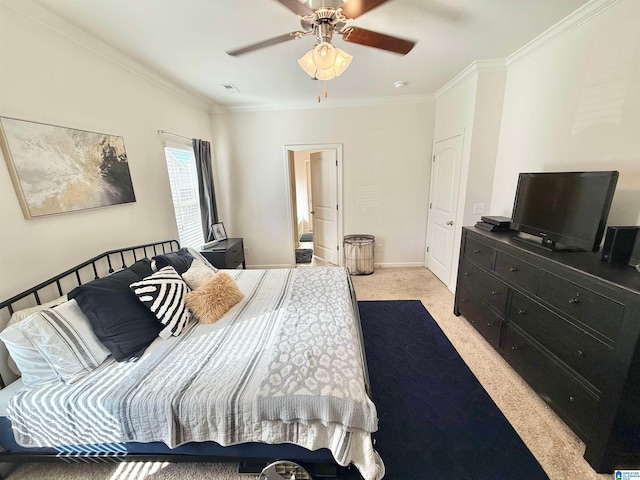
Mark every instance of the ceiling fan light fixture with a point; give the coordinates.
(324, 55)
(343, 59)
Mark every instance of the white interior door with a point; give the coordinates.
(324, 201)
(443, 206)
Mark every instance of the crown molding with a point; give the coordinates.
(313, 105)
(55, 23)
(582, 15)
(472, 71)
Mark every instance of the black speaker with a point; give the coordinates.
(618, 244)
(634, 261)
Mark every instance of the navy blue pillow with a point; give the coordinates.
(120, 321)
(180, 260)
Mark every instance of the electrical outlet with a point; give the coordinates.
(478, 208)
(379, 247)
(246, 251)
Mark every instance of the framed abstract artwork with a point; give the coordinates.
(59, 170)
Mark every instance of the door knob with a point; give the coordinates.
(450, 222)
(312, 212)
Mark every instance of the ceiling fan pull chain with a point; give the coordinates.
(325, 88)
(318, 83)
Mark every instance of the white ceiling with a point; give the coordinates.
(185, 41)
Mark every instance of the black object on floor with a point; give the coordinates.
(306, 237)
(435, 419)
(304, 255)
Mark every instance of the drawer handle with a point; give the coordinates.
(466, 274)
(494, 292)
(514, 347)
(571, 398)
(489, 324)
(580, 353)
(522, 311)
(513, 269)
(476, 250)
(574, 301)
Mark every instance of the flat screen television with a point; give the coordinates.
(565, 208)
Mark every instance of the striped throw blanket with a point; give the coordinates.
(283, 365)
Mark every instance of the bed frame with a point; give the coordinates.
(252, 457)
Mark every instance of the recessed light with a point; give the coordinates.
(400, 84)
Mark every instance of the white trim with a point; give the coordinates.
(43, 16)
(470, 72)
(312, 104)
(581, 15)
(398, 265)
(267, 267)
(340, 216)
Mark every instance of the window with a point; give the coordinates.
(183, 177)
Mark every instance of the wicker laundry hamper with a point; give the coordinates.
(358, 253)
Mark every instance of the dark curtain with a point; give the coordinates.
(208, 207)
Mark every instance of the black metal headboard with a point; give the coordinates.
(94, 268)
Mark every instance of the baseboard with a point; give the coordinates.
(267, 267)
(399, 265)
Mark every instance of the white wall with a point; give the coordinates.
(386, 151)
(472, 106)
(575, 105)
(46, 77)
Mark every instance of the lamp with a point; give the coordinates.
(325, 61)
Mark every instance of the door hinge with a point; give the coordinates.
(336, 207)
(430, 205)
(336, 162)
(434, 158)
(338, 248)
(427, 249)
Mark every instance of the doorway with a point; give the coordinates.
(443, 206)
(314, 191)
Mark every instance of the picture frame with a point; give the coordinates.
(218, 232)
(60, 170)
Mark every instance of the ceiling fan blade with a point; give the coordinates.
(296, 7)
(377, 40)
(266, 43)
(355, 8)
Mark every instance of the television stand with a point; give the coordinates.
(545, 244)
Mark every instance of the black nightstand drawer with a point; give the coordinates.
(575, 347)
(561, 390)
(484, 319)
(229, 254)
(484, 285)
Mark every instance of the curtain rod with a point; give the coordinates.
(163, 132)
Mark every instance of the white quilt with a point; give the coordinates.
(284, 365)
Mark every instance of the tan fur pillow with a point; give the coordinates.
(214, 298)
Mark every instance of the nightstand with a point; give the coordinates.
(228, 253)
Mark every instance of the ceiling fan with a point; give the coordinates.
(327, 19)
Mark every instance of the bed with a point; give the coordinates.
(281, 375)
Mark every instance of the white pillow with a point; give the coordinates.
(20, 315)
(35, 370)
(198, 274)
(198, 256)
(65, 339)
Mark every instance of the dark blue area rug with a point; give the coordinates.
(435, 419)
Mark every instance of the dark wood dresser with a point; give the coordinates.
(569, 324)
(228, 253)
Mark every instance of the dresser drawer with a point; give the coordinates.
(478, 252)
(579, 350)
(484, 320)
(561, 390)
(234, 257)
(487, 287)
(585, 306)
(518, 272)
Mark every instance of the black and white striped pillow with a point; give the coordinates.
(163, 293)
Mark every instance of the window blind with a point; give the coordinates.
(183, 178)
